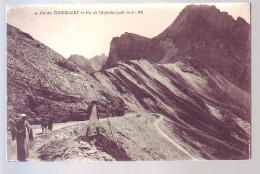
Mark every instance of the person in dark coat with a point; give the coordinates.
(50, 123)
(44, 125)
(24, 132)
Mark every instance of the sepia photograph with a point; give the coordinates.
(128, 82)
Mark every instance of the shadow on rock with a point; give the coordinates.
(111, 147)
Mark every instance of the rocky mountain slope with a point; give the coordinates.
(82, 63)
(42, 83)
(200, 31)
(181, 108)
(205, 109)
(186, 111)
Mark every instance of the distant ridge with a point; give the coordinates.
(82, 63)
(98, 61)
(89, 65)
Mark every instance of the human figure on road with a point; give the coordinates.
(50, 123)
(23, 134)
(44, 125)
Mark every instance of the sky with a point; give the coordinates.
(90, 34)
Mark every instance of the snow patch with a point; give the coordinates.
(214, 111)
(243, 124)
(198, 83)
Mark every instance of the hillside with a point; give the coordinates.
(200, 31)
(42, 83)
(209, 119)
(200, 103)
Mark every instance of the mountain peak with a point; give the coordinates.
(241, 20)
(200, 7)
(199, 15)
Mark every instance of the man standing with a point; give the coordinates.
(44, 125)
(50, 123)
(23, 134)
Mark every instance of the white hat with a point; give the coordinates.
(23, 115)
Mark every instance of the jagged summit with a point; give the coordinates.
(206, 15)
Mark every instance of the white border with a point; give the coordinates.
(185, 167)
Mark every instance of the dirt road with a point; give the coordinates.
(39, 143)
(37, 131)
(11, 144)
(156, 124)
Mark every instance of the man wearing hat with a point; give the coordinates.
(22, 136)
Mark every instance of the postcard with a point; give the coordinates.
(128, 82)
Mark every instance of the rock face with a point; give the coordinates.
(82, 63)
(133, 47)
(200, 31)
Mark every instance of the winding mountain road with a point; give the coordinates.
(37, 132)
(156, 124)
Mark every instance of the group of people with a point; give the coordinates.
(21, 131)
(46, 124)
